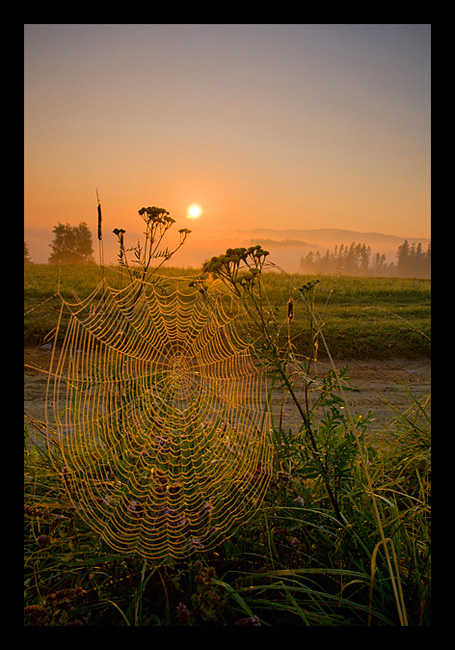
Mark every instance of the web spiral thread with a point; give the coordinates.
(161, 417)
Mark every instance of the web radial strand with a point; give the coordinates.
(161, 418)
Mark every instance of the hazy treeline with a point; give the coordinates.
(357, 259)
(73, 244)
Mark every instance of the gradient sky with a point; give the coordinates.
(274, 126)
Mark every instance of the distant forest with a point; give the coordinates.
(357, 259)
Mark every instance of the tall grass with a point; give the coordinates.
(343, 537)
(294, 563)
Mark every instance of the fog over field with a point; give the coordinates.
(286, 247)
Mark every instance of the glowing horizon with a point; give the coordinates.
(271, 126)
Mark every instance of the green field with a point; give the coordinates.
(363, 318)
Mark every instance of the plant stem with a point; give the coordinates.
(278, 365)
(394, 576)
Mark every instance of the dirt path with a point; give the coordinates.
(376, 386)
(380, 386)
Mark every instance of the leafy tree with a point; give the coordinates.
(71, 245)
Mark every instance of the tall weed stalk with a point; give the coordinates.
(385, 542)
(240, 271)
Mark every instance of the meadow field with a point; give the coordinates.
(363, 318)
(343, 534)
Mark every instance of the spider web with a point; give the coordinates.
(161, 416)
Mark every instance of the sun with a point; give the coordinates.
(194, 212)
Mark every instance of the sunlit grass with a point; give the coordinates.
(362, 317)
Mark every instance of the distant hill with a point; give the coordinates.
(332, 236)
(288, 246)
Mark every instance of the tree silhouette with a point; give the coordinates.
(71, 245)
(412, 261)
(26, 253)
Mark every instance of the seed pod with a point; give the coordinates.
(290, 309)
(99, 221)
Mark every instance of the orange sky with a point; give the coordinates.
(274, 126)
